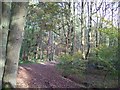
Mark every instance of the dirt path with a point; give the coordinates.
(42, 76)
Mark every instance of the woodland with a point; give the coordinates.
(60, 44)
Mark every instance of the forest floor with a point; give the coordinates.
(45, 75)
(42, 76)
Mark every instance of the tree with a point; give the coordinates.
(5, 20)
(82, 29)
(15, 35)
(89, 29)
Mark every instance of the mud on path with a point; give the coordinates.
(42, 76)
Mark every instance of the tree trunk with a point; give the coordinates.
(72, 29)
(5, 20)
(18, 14)
(82, 30)
(41, 44)
(96, 37)
(50, 46)
(89, 30)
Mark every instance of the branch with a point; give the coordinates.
(98, 8)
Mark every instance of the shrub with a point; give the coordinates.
(71, 64)
(107, 58)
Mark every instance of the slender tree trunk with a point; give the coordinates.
(50, 45)
(74, 24)
(18, 14)
(96, 37)
(68, 28)
(5, 20)
(37, 52)
(111, 40)
(41, 45)
(89, 30)
(72, 28)
(63, 32)
(82, 30)
(38, 42)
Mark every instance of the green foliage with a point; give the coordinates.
(77, 55)
(107, 57)
(110, 32)
(71, 64)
